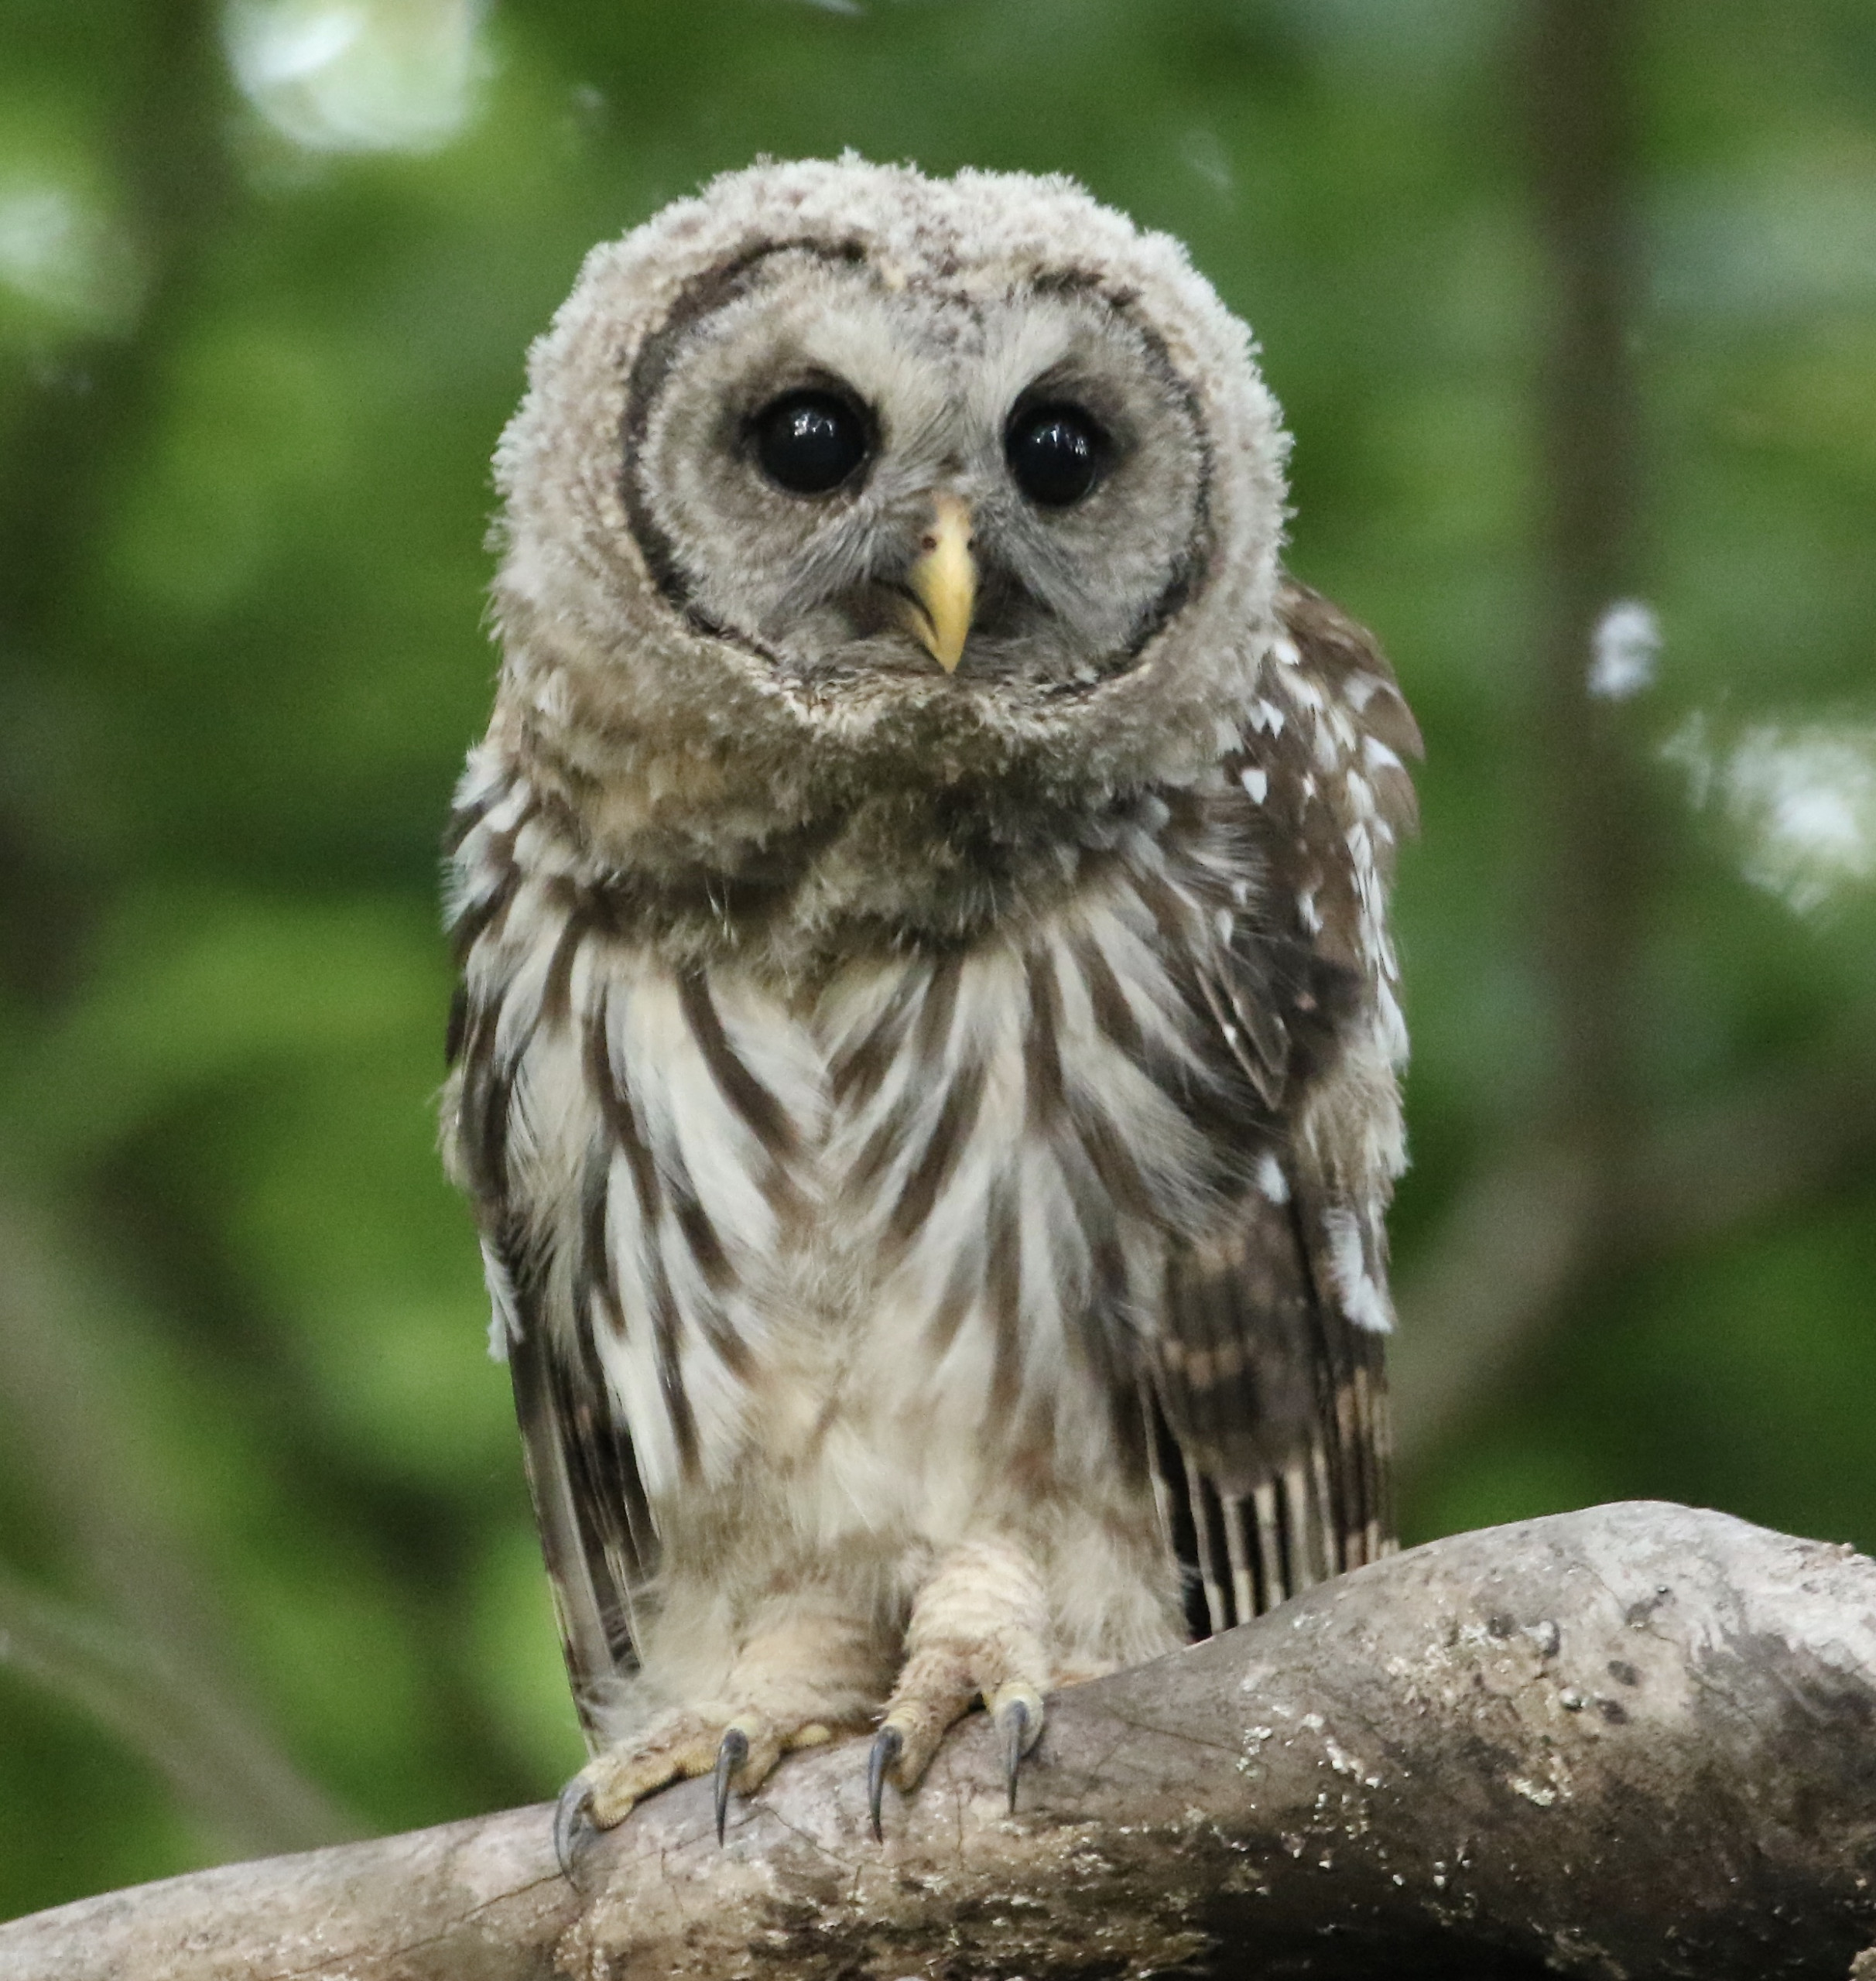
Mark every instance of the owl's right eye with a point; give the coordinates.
(809, 443)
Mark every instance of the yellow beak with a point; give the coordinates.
(944, 584)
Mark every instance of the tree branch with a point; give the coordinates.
(1634, 1741)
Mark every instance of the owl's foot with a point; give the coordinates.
(738, 1747)
(979, 1629)
(806, 1666)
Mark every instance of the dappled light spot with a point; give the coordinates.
(1801, 797)
(60, 251)
(1625, 650)
(1203, 152)
(358, 75)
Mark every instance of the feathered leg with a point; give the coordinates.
(979, 1628)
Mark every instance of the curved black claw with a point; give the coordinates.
(730, 1755)
(1013, 1723)
(888, 1743)
(573, 1827)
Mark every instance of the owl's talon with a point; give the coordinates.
(732, 1751)
(888, 1743)
(1013, 1724)
(573, 1827)
(1016, 1712)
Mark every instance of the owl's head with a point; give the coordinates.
(837, 470)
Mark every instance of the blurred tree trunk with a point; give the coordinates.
(1597, 871)
(87, 414)
(1557, 1208)
(145, 1651)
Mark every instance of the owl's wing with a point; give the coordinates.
(1269, 1408)
(598, 1541)
(589, 1503)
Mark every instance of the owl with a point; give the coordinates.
(925, 1059)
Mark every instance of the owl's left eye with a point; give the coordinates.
(1055, 453)
(809, 443)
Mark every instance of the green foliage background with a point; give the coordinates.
(260, 1497)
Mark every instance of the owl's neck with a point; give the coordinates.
(878, 869)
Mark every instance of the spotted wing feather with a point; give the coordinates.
(1268, 1407)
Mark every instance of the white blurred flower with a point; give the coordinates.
(1623, 651)
(1807, 800)
(1801, 797)
(358, 75)
(1691, 746)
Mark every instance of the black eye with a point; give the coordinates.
(1055, 453)
(809, 443)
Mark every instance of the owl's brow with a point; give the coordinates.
(712, 290)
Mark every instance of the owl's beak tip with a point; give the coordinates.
(943, 584)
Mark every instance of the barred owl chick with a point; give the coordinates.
(926, 1060)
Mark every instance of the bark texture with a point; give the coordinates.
(1636, 1741)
